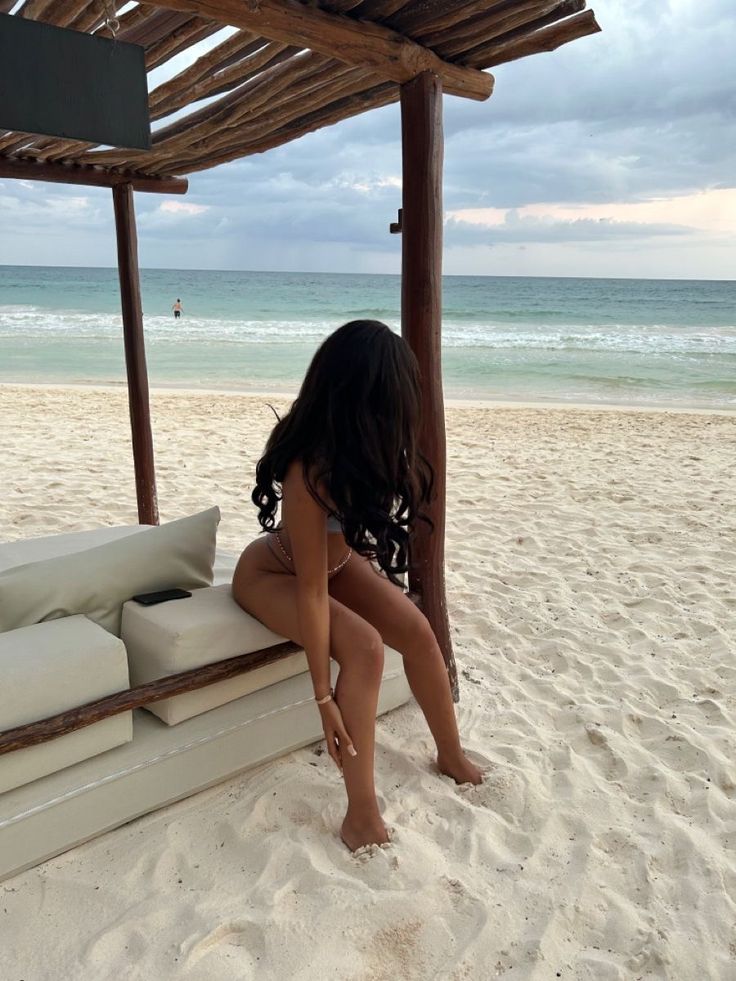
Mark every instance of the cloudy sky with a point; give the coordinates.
(613, 156)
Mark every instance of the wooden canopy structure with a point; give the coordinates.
(278, 69)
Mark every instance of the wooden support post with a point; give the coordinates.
(421, 313)
(135, 354)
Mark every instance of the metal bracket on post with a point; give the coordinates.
(395, 226)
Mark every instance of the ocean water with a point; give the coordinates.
(658, 342)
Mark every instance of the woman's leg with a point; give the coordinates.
(358, 649)
(405, 628)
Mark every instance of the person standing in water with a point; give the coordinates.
(345, 467)
(177, 308)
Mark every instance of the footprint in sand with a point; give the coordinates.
(713, 712)
(507, 793)
(236, 933)
(666, 744)
(469, 911)
(611, 765)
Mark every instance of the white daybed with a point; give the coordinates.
(152, 763)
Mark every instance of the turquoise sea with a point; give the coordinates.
(658, 342)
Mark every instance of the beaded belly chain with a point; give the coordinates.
(330, 572)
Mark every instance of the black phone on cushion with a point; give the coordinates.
(162, 596)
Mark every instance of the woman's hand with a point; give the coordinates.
(338, 740)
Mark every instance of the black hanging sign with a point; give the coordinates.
(56, 82)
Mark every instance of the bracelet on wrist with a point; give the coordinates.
(325, 698)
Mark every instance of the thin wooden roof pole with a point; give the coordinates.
(421, 316)
(135, 354)
(362, 43)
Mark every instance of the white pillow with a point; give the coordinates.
(24, 550)
(97, 581)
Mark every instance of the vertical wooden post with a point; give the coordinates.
(421, 316)
(135, 354)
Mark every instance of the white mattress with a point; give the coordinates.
(163, 764)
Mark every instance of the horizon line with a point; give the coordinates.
(305, 272)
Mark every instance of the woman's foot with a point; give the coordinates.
(460, 769)
(358, 832)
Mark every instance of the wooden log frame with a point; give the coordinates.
(475, 34)
(421, 316)
(135, 354)
(363, 43)
(34, 733)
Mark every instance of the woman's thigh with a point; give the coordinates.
(271, 598)
(364, 590)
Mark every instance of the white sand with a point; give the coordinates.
(591, 571)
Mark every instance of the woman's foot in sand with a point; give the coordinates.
(460, 769)
(356, 832)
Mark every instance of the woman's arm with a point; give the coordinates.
(306, 523)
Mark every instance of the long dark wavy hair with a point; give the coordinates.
(354, 427)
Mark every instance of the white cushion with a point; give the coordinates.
(52, 667)
(182, 634)
(97, 581)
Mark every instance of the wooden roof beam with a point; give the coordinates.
(32, 170)
(528, 41)
(354, 42)
(382, 95)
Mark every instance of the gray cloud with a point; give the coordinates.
(645, 108)
(518, 228)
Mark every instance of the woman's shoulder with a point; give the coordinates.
(300, 478)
